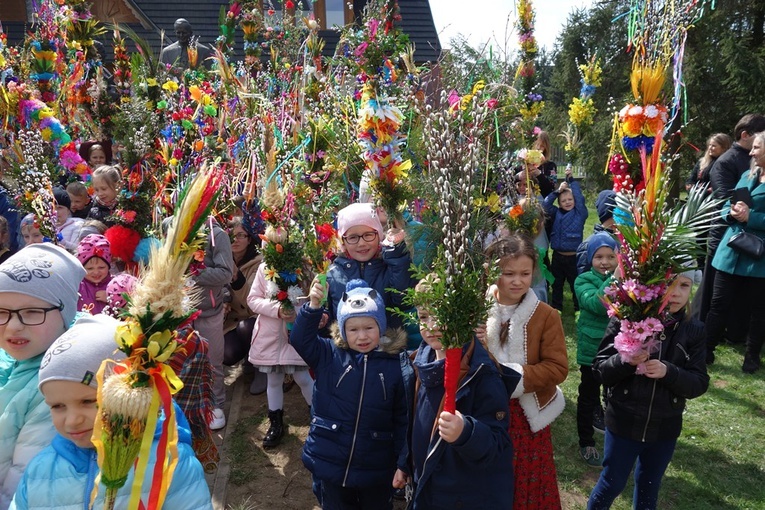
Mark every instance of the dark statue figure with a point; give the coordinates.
(177, 54)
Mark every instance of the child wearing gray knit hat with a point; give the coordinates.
(38, 302)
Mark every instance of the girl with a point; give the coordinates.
(96, 156)
(383, 262)
(272, 354)
(30, 230)
(94, 253)
(644, 414)
(239, 320)
(527, 336)
(106, 185)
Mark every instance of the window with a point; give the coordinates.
(332, 13)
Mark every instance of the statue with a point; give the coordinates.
(186, 52)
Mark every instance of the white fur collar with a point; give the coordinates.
(514, 351)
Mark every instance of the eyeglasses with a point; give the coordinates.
(239, 237)
(27, 316)
(366, 236)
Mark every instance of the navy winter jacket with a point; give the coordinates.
(360, 406)
(568, 226)
(381, 273)
(476, 471)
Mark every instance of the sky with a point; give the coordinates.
(495, 18)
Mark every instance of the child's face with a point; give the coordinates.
(97, 270)
(23, 342)
(515, 280)
(679, 293)
(604, 260)
(104, 191)
(31, 235)
(97, 157)
(362, 334)
(74, 408)
(566, 201)
(78, 202)
(62, 214)
(363, 250)
(429, 330)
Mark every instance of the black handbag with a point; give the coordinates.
(748, 244)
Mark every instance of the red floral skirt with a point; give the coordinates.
(536, 483)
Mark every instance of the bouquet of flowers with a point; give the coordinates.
(527, 216)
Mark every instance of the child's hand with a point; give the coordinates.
(287, 313)
(394, 236)
(400, 479)
(316, 294)
(480, 332)
(655, 369)
(563, 187)
(450, 426)
(324, 320)
(569, 173)
(639, 358)
(101, 296)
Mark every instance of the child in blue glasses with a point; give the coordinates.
(381, 260)
(38, 302)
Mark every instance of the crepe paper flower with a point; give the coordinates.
(170, 86)
(492, 202)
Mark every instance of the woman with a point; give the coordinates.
(716, 145)
(240, 320)
(739, 274)
(548, 177)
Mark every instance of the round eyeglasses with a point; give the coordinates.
(27, 316)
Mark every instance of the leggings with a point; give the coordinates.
(275, 392)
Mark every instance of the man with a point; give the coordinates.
(723, 177)
(177, 54)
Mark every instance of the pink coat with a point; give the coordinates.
(270, 345)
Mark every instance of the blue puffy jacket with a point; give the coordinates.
(476, 471)
(567, 226)
(360, 406)
(381, 273)
(62, 477)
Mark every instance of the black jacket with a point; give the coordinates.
(725, 173)
(645, 409)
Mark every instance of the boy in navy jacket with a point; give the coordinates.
(566, 235)
(356, 447)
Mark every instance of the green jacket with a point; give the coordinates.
(589, 288)
(726, 258)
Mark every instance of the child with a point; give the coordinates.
(64, 473)
(96, 156)
(590, 289)
(359, 418)
(271, 353)
(361, 233)
(527, 336)
(106, 185)
(79, 199)
(463, 459)
(118, 286)
(38, 302)
(644, 414)
(566, 235)
(30, 230)
(94, 253)
(604, 205)
(5, 240)
(67, 227)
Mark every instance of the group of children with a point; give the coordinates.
(377, 418)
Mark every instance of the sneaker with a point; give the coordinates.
(218, 420)
(598, 422)
(591, 456)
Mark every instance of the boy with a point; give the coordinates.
(64, 473)
(566, 235)
(67, 227)
(604, 205)
(469, 453)
(357, 438)
(38, 302)
(80, 201)
(593, 320)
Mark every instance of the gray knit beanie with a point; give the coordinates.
(77, 354)
(45, 271)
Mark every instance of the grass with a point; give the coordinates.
(719, 462)
(243, 451)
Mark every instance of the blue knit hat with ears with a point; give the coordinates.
(359, 300)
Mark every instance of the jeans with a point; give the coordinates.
(336, 497)
(563, 268)
(727, 287)
(619, 456)
(237, 342)
(587, 402)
